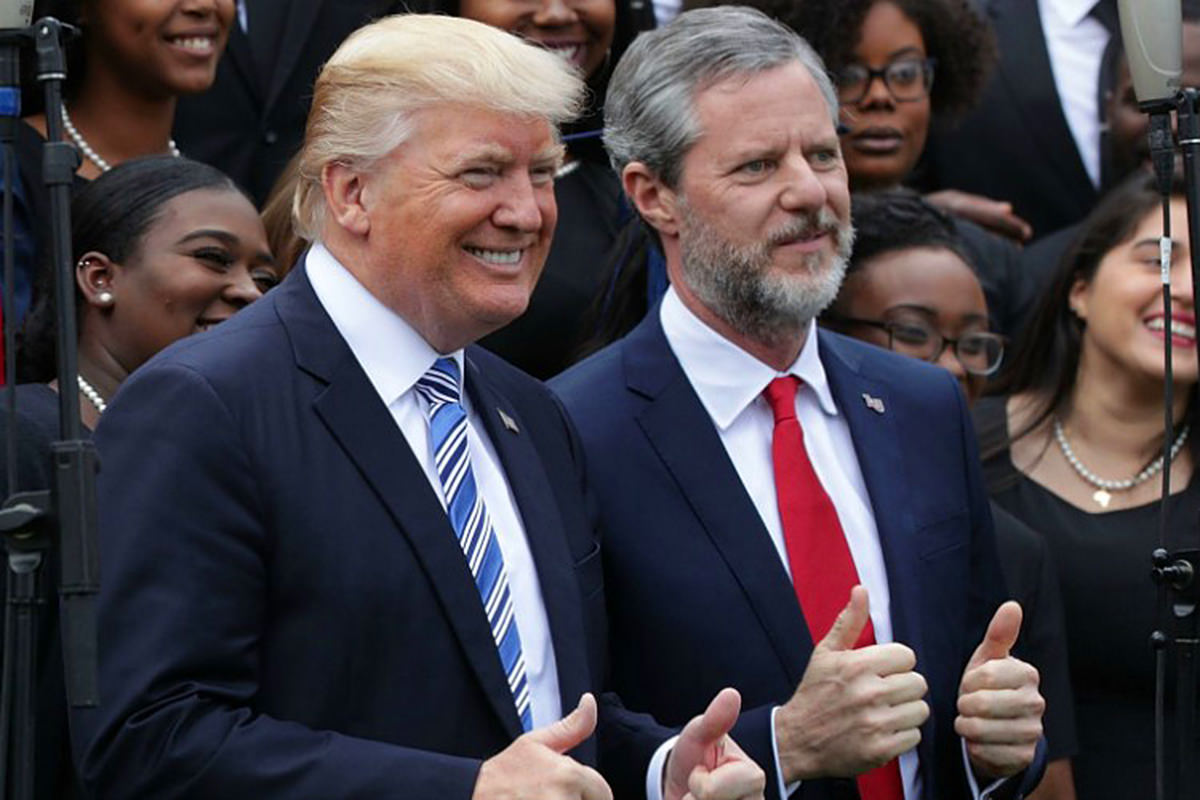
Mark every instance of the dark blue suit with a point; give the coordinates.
(286, 612)
(697, 596)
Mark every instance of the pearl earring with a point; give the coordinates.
(105, 298)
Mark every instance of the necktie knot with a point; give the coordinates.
(440, 384)
(781, 395)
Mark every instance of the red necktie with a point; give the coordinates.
(823, 570)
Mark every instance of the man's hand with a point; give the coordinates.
(534, 765)
(705, 764)
(995, 215)
(999, 706)
(854, 709)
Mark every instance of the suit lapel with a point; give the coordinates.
(877, 445)
(1030, 82)
(543, 529)
(241, 61)
(360, 422)
(685, 439)
(300, 19)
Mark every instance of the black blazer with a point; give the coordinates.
(249, 124)
(286, 611)
(1016, 144)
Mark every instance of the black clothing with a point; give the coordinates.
(250, 122)
(1016, 144)
(1033, 582)
(36, 427)
(544, 339)
(1109, 604)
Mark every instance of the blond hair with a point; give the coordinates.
(367, 93)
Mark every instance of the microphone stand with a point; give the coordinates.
(1176, 572)
(28, 521)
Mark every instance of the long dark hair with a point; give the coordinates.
(1044, 362)
(110, 215)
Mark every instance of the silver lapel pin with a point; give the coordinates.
(508, 421)
(873, 403)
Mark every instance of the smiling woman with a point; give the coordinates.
(165, 247)
(124, 73)
(1074, 446)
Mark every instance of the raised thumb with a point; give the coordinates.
(570, 731)
(849, 623)
(1002, 633)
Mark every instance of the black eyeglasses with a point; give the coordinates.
(906, 79)
(979, 353)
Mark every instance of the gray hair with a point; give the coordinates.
(367, 93)
(649, 113)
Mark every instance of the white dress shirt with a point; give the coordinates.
(394, 356)
(1075, 42)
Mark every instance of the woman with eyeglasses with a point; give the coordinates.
(1074, 441)
(909, 288)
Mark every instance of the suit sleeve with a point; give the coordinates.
(184, 599)
(988, 589)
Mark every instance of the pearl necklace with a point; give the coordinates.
(91, 154)
(1105, 487)
(91, 394)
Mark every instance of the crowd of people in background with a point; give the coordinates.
(1006, 230)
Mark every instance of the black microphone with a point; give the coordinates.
(1153, 36)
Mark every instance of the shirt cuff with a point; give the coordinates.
(986, 794)
(784, 791)
(654, 772)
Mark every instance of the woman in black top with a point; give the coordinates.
(165, 247)
(1073, 446)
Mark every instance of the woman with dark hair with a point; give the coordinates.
(164, 247)
(909, 287)
(1074, 447)
(592, 35)
(130, 63)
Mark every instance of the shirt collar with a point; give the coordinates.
(1071, 12)
(727, 378)
(390, 351)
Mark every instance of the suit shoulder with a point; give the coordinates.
(598, 375)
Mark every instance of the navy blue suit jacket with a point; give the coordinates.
(698, 598)
(286, 612)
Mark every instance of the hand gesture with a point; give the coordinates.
(995, 215)
(534, 766)
(854, 709)
(705, 764)
(999, 706)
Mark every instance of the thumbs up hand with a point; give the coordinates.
(999, 705)
(854, 709)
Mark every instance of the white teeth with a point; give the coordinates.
(1177, 328)
(496, 256)
(197, 43)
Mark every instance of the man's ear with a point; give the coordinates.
(654, 200)
(343, 188)
(95, 275)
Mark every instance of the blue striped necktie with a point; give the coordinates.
(469, 516)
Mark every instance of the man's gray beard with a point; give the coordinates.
(737, 284)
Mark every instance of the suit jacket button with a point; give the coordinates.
(270, 137)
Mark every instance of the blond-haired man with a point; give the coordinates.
(347, 554)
